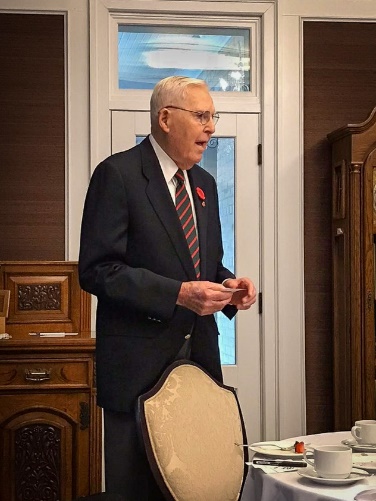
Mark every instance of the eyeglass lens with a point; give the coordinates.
(206, 116)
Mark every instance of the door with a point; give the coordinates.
(231, 157)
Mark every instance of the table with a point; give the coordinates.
(289, 486)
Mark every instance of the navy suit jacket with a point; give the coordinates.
(134, 257)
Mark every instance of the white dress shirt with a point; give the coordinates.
(169, 168)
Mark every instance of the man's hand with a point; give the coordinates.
(243, 300)
(204, 298)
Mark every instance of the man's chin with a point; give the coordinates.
(187, 166)
(198, 159)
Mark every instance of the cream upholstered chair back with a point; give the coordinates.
(190, 425)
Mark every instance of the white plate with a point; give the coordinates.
(274, 451)
(359, 447)
(310, 473)
(365, 461)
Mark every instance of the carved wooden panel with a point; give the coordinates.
(45, 297)
(37, 449)
(339, 190)
(48, 433)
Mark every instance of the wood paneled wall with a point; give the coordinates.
(339, 88)
(32, 137)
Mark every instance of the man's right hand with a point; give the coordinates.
(204, 298)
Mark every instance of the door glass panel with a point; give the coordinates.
(220, 56)
(219, 160)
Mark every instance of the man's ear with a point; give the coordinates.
(163, 119)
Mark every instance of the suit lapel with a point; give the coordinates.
(160, 198)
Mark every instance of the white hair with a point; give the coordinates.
(170, 91)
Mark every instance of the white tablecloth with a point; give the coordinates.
(290, 486)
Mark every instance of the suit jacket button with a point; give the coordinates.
(187, 336)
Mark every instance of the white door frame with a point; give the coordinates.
(101, 19)
(245, 377)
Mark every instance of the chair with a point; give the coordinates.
(190, 425)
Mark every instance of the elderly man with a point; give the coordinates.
(151, 251)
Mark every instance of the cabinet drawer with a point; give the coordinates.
(45, 372)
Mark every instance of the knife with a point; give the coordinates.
(280, 462)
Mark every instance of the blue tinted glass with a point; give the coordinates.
(219, 160)
(220, 56)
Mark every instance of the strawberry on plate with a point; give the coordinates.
(299, 447)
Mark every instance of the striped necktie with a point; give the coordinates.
(184, 210)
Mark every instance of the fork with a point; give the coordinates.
(290, 448)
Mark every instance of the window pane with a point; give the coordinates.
(220, 56)
(219, 160)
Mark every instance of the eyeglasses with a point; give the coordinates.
(203, 116)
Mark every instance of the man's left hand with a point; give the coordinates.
(244, 299)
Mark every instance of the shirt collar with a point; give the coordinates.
(168, 166)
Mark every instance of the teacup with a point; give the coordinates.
(330, 461)
(364, 431)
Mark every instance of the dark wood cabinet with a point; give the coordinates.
(50, 425)
(354, 233)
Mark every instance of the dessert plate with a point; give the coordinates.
(365, 461)
(271, 450)
(310, 474)
(359, 447)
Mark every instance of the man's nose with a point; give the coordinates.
(210, 126)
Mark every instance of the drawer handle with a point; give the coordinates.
(37, 375)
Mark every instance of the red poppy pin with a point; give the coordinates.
(201, 196)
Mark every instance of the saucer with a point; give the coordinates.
(310, 473)
(359, 447)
